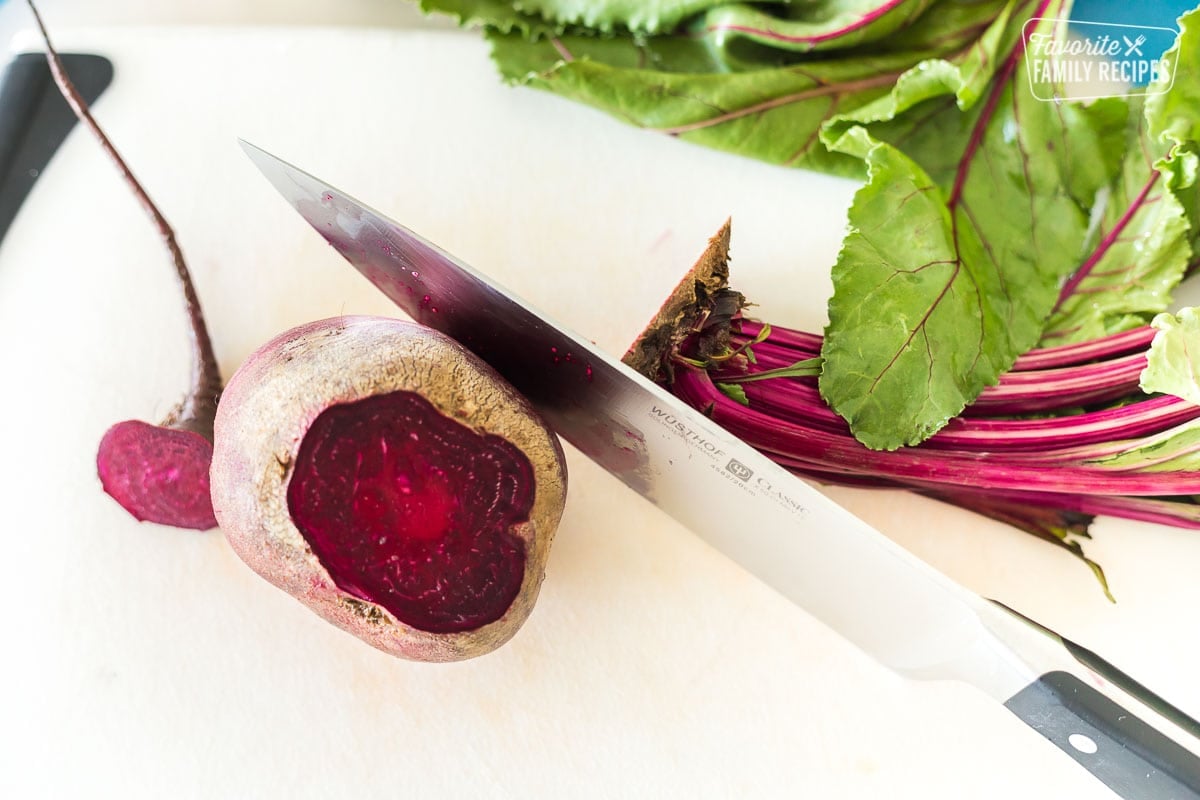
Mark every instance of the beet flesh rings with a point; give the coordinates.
(411, 510)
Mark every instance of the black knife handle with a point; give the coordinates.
(34, 119)
(1133, 759)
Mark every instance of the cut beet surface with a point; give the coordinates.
(158, 474)
(412, 511)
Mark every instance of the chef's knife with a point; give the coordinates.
(885, 600)
(34, 119)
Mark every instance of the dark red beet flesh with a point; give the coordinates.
(158, 474)
(412, 511)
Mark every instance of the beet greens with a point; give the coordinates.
(990, 220)
(997, 334)
(1136, 455)
(1106, 426)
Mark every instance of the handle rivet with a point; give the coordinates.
(1083, 743)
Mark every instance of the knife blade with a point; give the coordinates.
(886, 601)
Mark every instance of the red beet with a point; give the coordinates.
(156, 473)
(391, 481)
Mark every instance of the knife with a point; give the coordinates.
(889, 603)
(34, 119)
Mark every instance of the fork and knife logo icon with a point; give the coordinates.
(1134, 45)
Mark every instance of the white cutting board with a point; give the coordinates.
(148, 662)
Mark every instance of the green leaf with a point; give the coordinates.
(1174, 121)
(805, 27)
(1174, 450)
(899, 340)
(537, 62)
(644, 16)
(1172, 111)
(1146, 234)
(537, 17)
(958, 80)
(1140, 253)
(494, 15)
(681, 86)
(795, 26)
(921, 115)
(805, 368)
(1173, 361)
(734, 392)
(773, 115)
(958, 244)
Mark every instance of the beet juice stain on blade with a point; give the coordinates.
(560, 373)
(893, 606)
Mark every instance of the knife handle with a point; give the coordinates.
(1129, 737)
(1130, 757)
(34, 119)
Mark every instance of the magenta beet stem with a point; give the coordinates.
(800, 402)
(1065, 355)
(957, 468)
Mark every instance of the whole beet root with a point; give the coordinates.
(392, 482)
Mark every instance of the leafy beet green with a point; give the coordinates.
(494, 15)
(752, 93)
(939, 117)
(797, 26)
(805, 27)
(925, 313)
(959, 79)
(1173, 121)
(1173, 361)
(1014, 192)
(1141, 250)
(989, 221)
(1146, 241)
(776, 115)
(989, 340)
(642, 16)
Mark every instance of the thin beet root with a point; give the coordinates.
(392, 482)
(157, 473)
